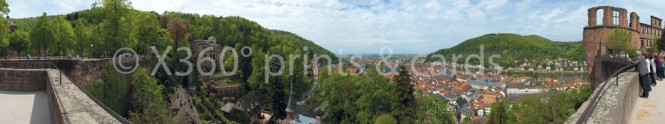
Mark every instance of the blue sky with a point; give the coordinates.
(365, 26)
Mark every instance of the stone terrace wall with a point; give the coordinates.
(55, 106)
(615, 102)
(33, 80)
(22, 80)
(80, 71)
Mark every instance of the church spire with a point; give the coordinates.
(292, 108)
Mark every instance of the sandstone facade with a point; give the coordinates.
(603, 20)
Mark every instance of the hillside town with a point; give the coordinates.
(471, 94)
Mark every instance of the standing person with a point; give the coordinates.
(653, 69)
(659, 68)
(641, 67)
(662, 67)
(648, 68)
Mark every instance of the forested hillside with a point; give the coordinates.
(228, 31)
(513, 47)
(113, 24)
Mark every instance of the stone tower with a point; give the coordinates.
(603, 20)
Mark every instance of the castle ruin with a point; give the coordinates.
(603, 20)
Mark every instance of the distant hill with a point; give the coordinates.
(513, 47)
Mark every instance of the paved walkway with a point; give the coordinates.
(650, 110)
(24, 108)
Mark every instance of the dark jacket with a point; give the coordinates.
(641, 65)
(658, 63)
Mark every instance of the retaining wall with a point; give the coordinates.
(22, 80)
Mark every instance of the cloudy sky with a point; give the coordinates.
(365, 26)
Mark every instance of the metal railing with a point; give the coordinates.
(55, 92)
(594, 99)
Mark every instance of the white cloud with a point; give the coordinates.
(551, 15)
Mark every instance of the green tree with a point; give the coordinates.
(117, 25)
(148, 32)
(499, 114)
(83, 36)
(276, 93)
(257, 78)
(340, 94)
(466, 119)
(374, 97)
(42, 34)
(18, 41)
(553, 109)
(65, 36)
(385, 119)
(619, 40)
(661, 42)
(405, 108)
(433, 108)
(4, 7)
(4, 28)
(112, 91)
(148, 105)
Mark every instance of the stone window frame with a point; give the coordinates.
(615, 17)
(600, 13)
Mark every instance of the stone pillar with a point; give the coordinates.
(623, 18)
(634, 21)
(607, 16)
(592, 16)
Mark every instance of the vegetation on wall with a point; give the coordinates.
(619, 41)
(112, 91)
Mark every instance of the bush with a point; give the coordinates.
(619, 40)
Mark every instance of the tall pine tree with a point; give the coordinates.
(499, 114)
(277, 96)
(405, 109)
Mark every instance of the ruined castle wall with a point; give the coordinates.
(86, 71)
(593, 36)
(596, 32)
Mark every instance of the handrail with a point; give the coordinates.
(616, 74)
(588, 110)
(56, 92)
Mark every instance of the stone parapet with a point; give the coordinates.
(68, 103)
(75, 104)
(614, 103)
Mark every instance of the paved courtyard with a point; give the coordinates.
(650, 110)
(24, 108)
